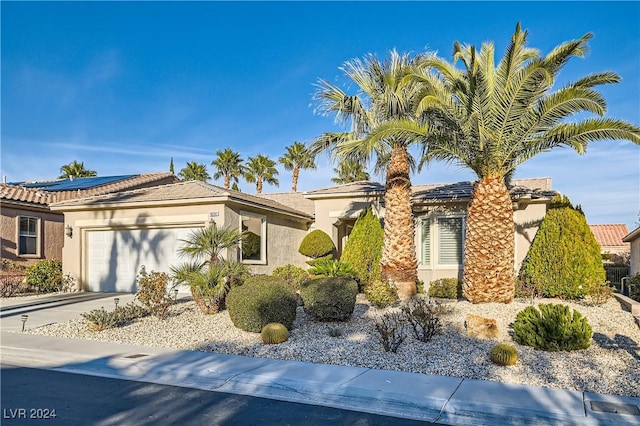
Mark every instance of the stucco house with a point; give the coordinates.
(633, 238)
(115, 234)
(610, 238)
(32, 231)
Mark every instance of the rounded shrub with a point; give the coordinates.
(45, 275)
(250, 245)
(316, 244)
(446, 288)
(329, 299)
(503, 354)
(274, 333)
(381, 294)
(261, 300)
(293, 275)
(363, 249)
(552, 328)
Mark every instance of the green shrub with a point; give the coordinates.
(552, 328)
(332, 268)
(293, 275)
(274, 333)
(634, 287)
(101, 319)
(262, 300)
(503, 354)
(314, 262)
(381, 294)
(329, 299)
(446, 288)
(564, 259)
(45, 275)
(130, 311)
(250, 245)
(316, 244)
(363, 249)
(153, 292)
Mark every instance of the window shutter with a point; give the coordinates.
(426, 242)
(449, 240)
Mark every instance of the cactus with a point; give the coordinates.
(274, 333)
(503, 354)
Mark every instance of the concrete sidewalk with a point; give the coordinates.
(440, 399)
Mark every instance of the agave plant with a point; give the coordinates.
(332, 268)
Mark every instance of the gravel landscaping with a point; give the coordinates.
(611, 365)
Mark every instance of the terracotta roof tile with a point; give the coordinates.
(25, 195)
(295, 200)
(610, 234)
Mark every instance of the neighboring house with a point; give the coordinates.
(440, 217)
(115, 234)
(634, 241)
(610, 237)
(32, 231)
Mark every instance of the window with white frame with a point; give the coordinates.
(254, 245)
(444, 237)
(28, 236)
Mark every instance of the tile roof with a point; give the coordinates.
(181, 191)
(24, 195)
(610, 234)
(295, 200)
(348, 188)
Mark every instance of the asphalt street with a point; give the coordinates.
(34, 396)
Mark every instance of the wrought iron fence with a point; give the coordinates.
(615, 274)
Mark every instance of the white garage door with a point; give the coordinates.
(115, 257)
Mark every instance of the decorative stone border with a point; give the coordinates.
(631, 304)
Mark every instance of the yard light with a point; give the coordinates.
(175, 295)
(24, 319)
(116, 300)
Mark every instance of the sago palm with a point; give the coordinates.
(194, 171)
(381, 97)
(261, 169)
(228, 164)
(494, 118)
(297, 157)
(75, 170)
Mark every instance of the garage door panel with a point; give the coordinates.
(115, 257)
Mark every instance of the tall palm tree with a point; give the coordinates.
(228, 164)
(382, 96)
(297, 157)
(261, 169)
(194, 171)
(494, 118)
(75, 170)
(349, 171)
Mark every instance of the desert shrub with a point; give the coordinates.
(564, 259)
(12, 277)
(392, 329)
(262, 300)
(424, 318)
(503, 354)
(316, 244)
(363, 250)
(101, 319)
(250, 245)
(45, 275)
(634, 287)
(552, 328)
(329, 299)
(598, 294)
(381, 294)
(274, 333)
(332, 268)
(314, 262)
(446, 288)
(130, 311)
(153, 292)
(293, 275)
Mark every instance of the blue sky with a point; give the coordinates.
(125, 86)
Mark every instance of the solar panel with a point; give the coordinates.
(77, 183)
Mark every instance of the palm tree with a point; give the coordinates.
(494, 118)
(297, 157)
(75, 170)
(383, 96)
(261, 169)
(349, 171)
(228, 164)
(194, 171)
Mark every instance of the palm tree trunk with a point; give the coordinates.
(399, 263)
(227, 179)
(294, 181)
(259, 185)
(489, 245)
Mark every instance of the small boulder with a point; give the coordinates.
(481, 327)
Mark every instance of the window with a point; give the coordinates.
(28, 236)
(450, 237)
(254, 246)
(426, 241)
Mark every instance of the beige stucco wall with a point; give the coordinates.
(51, 233)
(635, 257)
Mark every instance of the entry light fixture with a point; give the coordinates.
(68, 231)
(116, 300)
(24, 319)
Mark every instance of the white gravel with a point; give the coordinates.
(611, 365)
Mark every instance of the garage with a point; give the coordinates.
(114, 257)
